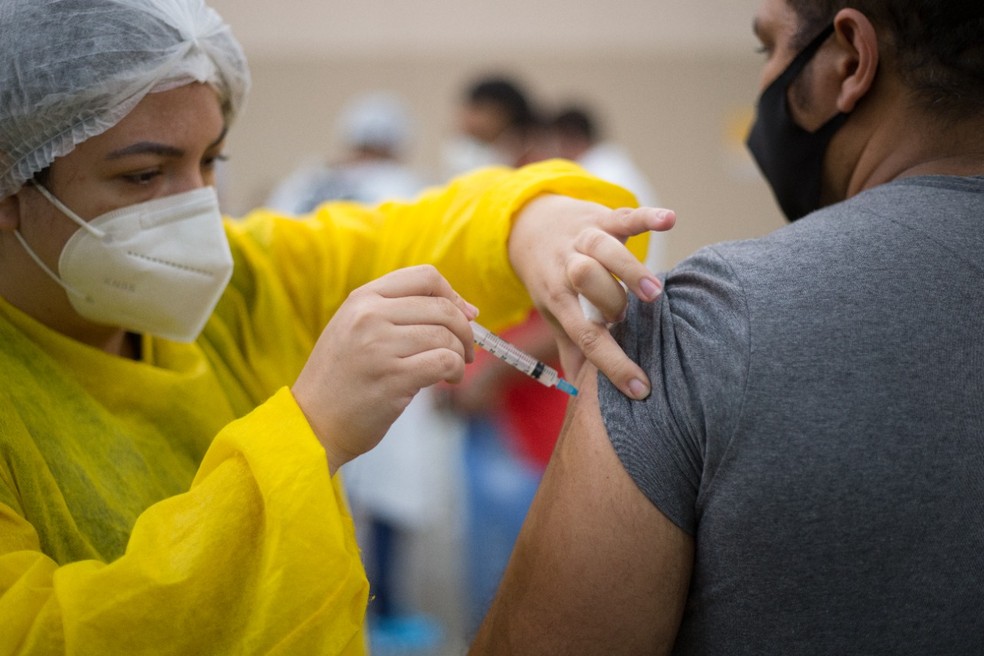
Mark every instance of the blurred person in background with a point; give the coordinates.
(374, 131)
(574, 133)
(496, 124)
(180, 389)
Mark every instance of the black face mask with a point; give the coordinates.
(791, 159)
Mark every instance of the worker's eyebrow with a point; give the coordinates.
(146, 148)
(156, 148)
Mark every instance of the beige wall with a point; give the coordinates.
(366, 27)
(675, 108)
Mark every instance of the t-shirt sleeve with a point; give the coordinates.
(694, 344)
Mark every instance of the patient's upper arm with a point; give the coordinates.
(597, 567)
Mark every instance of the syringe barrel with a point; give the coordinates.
(505, 351)
(525, 362)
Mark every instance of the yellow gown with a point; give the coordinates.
(181, 504)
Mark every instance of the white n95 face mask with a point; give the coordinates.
(158, 267)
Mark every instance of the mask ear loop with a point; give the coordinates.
(44, 267)
(95, 232)
(34, 256)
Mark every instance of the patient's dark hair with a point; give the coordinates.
(937, 45)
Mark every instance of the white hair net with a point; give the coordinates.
(72, 69)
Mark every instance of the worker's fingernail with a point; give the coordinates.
(638, 389)
(651, 288)
(472, 312)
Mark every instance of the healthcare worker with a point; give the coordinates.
(178, 389)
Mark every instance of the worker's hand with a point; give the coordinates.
(389, 339)
(561, 247)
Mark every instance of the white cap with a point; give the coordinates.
(376, 120)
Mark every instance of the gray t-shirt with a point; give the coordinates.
(817, 424)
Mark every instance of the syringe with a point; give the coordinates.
(525, 362)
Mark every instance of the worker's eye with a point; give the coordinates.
(141, 177)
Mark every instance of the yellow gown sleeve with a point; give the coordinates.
(461, 228)
(258, 557)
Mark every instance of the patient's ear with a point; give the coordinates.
(859, 64)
